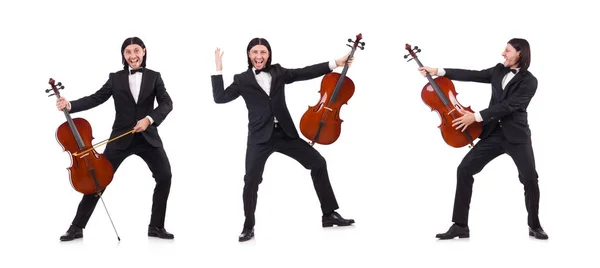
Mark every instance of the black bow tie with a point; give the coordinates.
(141, 70)
(514, 71)
(265, 69)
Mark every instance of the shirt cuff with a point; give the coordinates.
(332, 65)
(478, 117)
(150, 118)
(218, 72)
(441, 72)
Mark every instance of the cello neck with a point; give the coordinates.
(346, 65)
(340, 80)
(338, 85)
(432, 82)
(76, 134)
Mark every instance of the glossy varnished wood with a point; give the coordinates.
(452, 136)
(80, 176)
(330, 132)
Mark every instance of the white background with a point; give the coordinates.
(390, 169)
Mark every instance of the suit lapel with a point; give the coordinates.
(250, 76)
(497, 82)
(273, 80)
(143, 89)
(497, 86)
(518, 77)
(125, 80)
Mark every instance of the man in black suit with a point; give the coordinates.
(505, 130)
(271, 128)
(134, 90)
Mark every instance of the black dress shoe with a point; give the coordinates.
(455, 231)
(335, 219)
(160, 233)
(246, 234)
(74, 232)
(538, 233)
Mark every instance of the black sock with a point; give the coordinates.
(461, 225)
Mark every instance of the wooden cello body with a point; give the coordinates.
(441, 96)
(321, 123)
(89, 172)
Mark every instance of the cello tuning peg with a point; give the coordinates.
(48, 90)
(405, 56)
(362, 43)
(416, 47)
(59, 84)
(419, 50)
(348, 45)
(62, 87)
(350, 40)
(51, 95)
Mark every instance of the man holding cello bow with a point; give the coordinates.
(271, 128)
(505, 130)
(134, 90)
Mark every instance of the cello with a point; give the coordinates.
(321, 123)
(90, 172)
(440, 95)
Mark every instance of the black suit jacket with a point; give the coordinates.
(508, 105)
(127, 111)
(262, 107)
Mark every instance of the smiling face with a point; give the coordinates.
(134, 55)
(511, 57)
(259, 55)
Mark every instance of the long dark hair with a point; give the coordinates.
(259, 41)
(131, 41)
(525, 57)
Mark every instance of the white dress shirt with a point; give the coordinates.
(509, 76)
(135, 83)
(264, 79)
